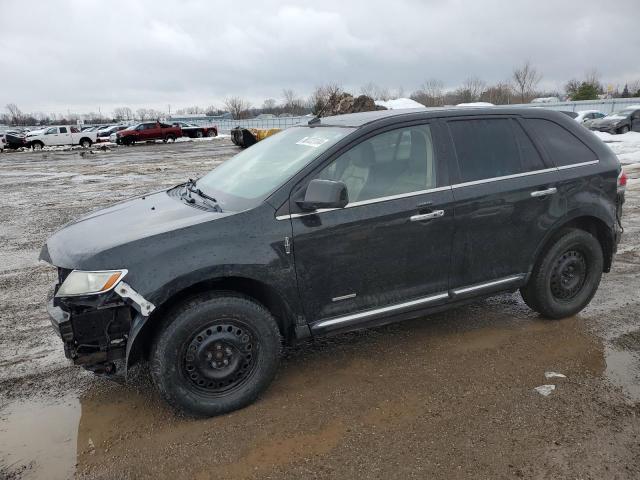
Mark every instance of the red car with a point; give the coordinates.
(143, 132)
(196, 131)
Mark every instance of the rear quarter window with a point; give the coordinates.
(562, 146)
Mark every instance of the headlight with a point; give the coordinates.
(89, 283)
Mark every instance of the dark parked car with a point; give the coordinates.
(196, 131)
(345, 223)
(15, 139)
(147, 131)
(619, 122)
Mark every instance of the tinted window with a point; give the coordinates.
(392, 163)
(63, 129)
(562, 146)
(488, 148)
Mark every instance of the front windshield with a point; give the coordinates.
(251, 176)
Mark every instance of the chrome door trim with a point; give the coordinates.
(343, 297)
(481, 286)
(378, 311)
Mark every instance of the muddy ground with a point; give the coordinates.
(448, 396)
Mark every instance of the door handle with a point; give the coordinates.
(544, 193)
(427, 216)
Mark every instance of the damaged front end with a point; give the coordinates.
(94, 316)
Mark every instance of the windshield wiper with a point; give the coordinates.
(190, 187)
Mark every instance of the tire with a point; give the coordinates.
(623, 130)
(199, 134)
(85, 143)
(37, 145)
(212, 133)
(170, 138)
(566, 276)
(240, 332)
(128, 141)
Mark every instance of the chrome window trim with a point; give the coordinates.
(581, 164)
(439, 189)
(365, 202)
(504, 177)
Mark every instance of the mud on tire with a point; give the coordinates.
(566, 276)
(216, 353)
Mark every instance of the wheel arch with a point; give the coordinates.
(83, 139)
(593, 224)
(144, 329)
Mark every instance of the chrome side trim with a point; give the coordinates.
(377, 311)
(482, 286)
(576, 165)
(343, 297)
(364, 202)
(505, 177)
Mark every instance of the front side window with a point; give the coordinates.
(562, 146)
(490, 148)
(391, 163)
(51, 131)
(251, 176)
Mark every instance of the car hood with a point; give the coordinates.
(90, 242)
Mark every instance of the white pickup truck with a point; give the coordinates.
(62, 135)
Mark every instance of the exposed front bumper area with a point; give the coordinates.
(95, 329)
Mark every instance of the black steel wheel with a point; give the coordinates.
(566, 276)
(216, 353)
(220, 357)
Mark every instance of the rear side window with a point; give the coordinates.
(489, 148)
(563, 147)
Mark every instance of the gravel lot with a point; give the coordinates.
(448, 396)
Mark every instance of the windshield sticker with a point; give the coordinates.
(312, 141)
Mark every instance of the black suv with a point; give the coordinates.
(347, 222)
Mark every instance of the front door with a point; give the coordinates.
(392, 242)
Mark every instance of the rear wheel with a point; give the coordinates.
(624, 129)
(216, 354)
(85, 143)
(567, 276)
(170, 138)
(212, 133)
(199, 134)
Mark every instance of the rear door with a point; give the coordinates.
(505, 197)
(64, 136)
(392, 243)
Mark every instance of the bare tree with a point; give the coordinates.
(292, 103)
(16, 116)
(237, 106)
(269, 105)
(142, 114)
(122, 113)
(498, 94)
(430, 94)
(526, 79)
(325, 98)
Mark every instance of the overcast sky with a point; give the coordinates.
(84, 55)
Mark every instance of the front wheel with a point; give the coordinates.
(567, 276)
(624, 129)
(217, 353)
(170, 138)
(37, 145)
(212, 133)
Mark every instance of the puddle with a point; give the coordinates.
(39, 439)
(623, 369)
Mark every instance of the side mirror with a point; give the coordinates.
(324, 194)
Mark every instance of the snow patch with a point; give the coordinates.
(626, 146)
(399, 104)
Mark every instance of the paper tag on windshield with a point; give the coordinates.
(312, 141)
